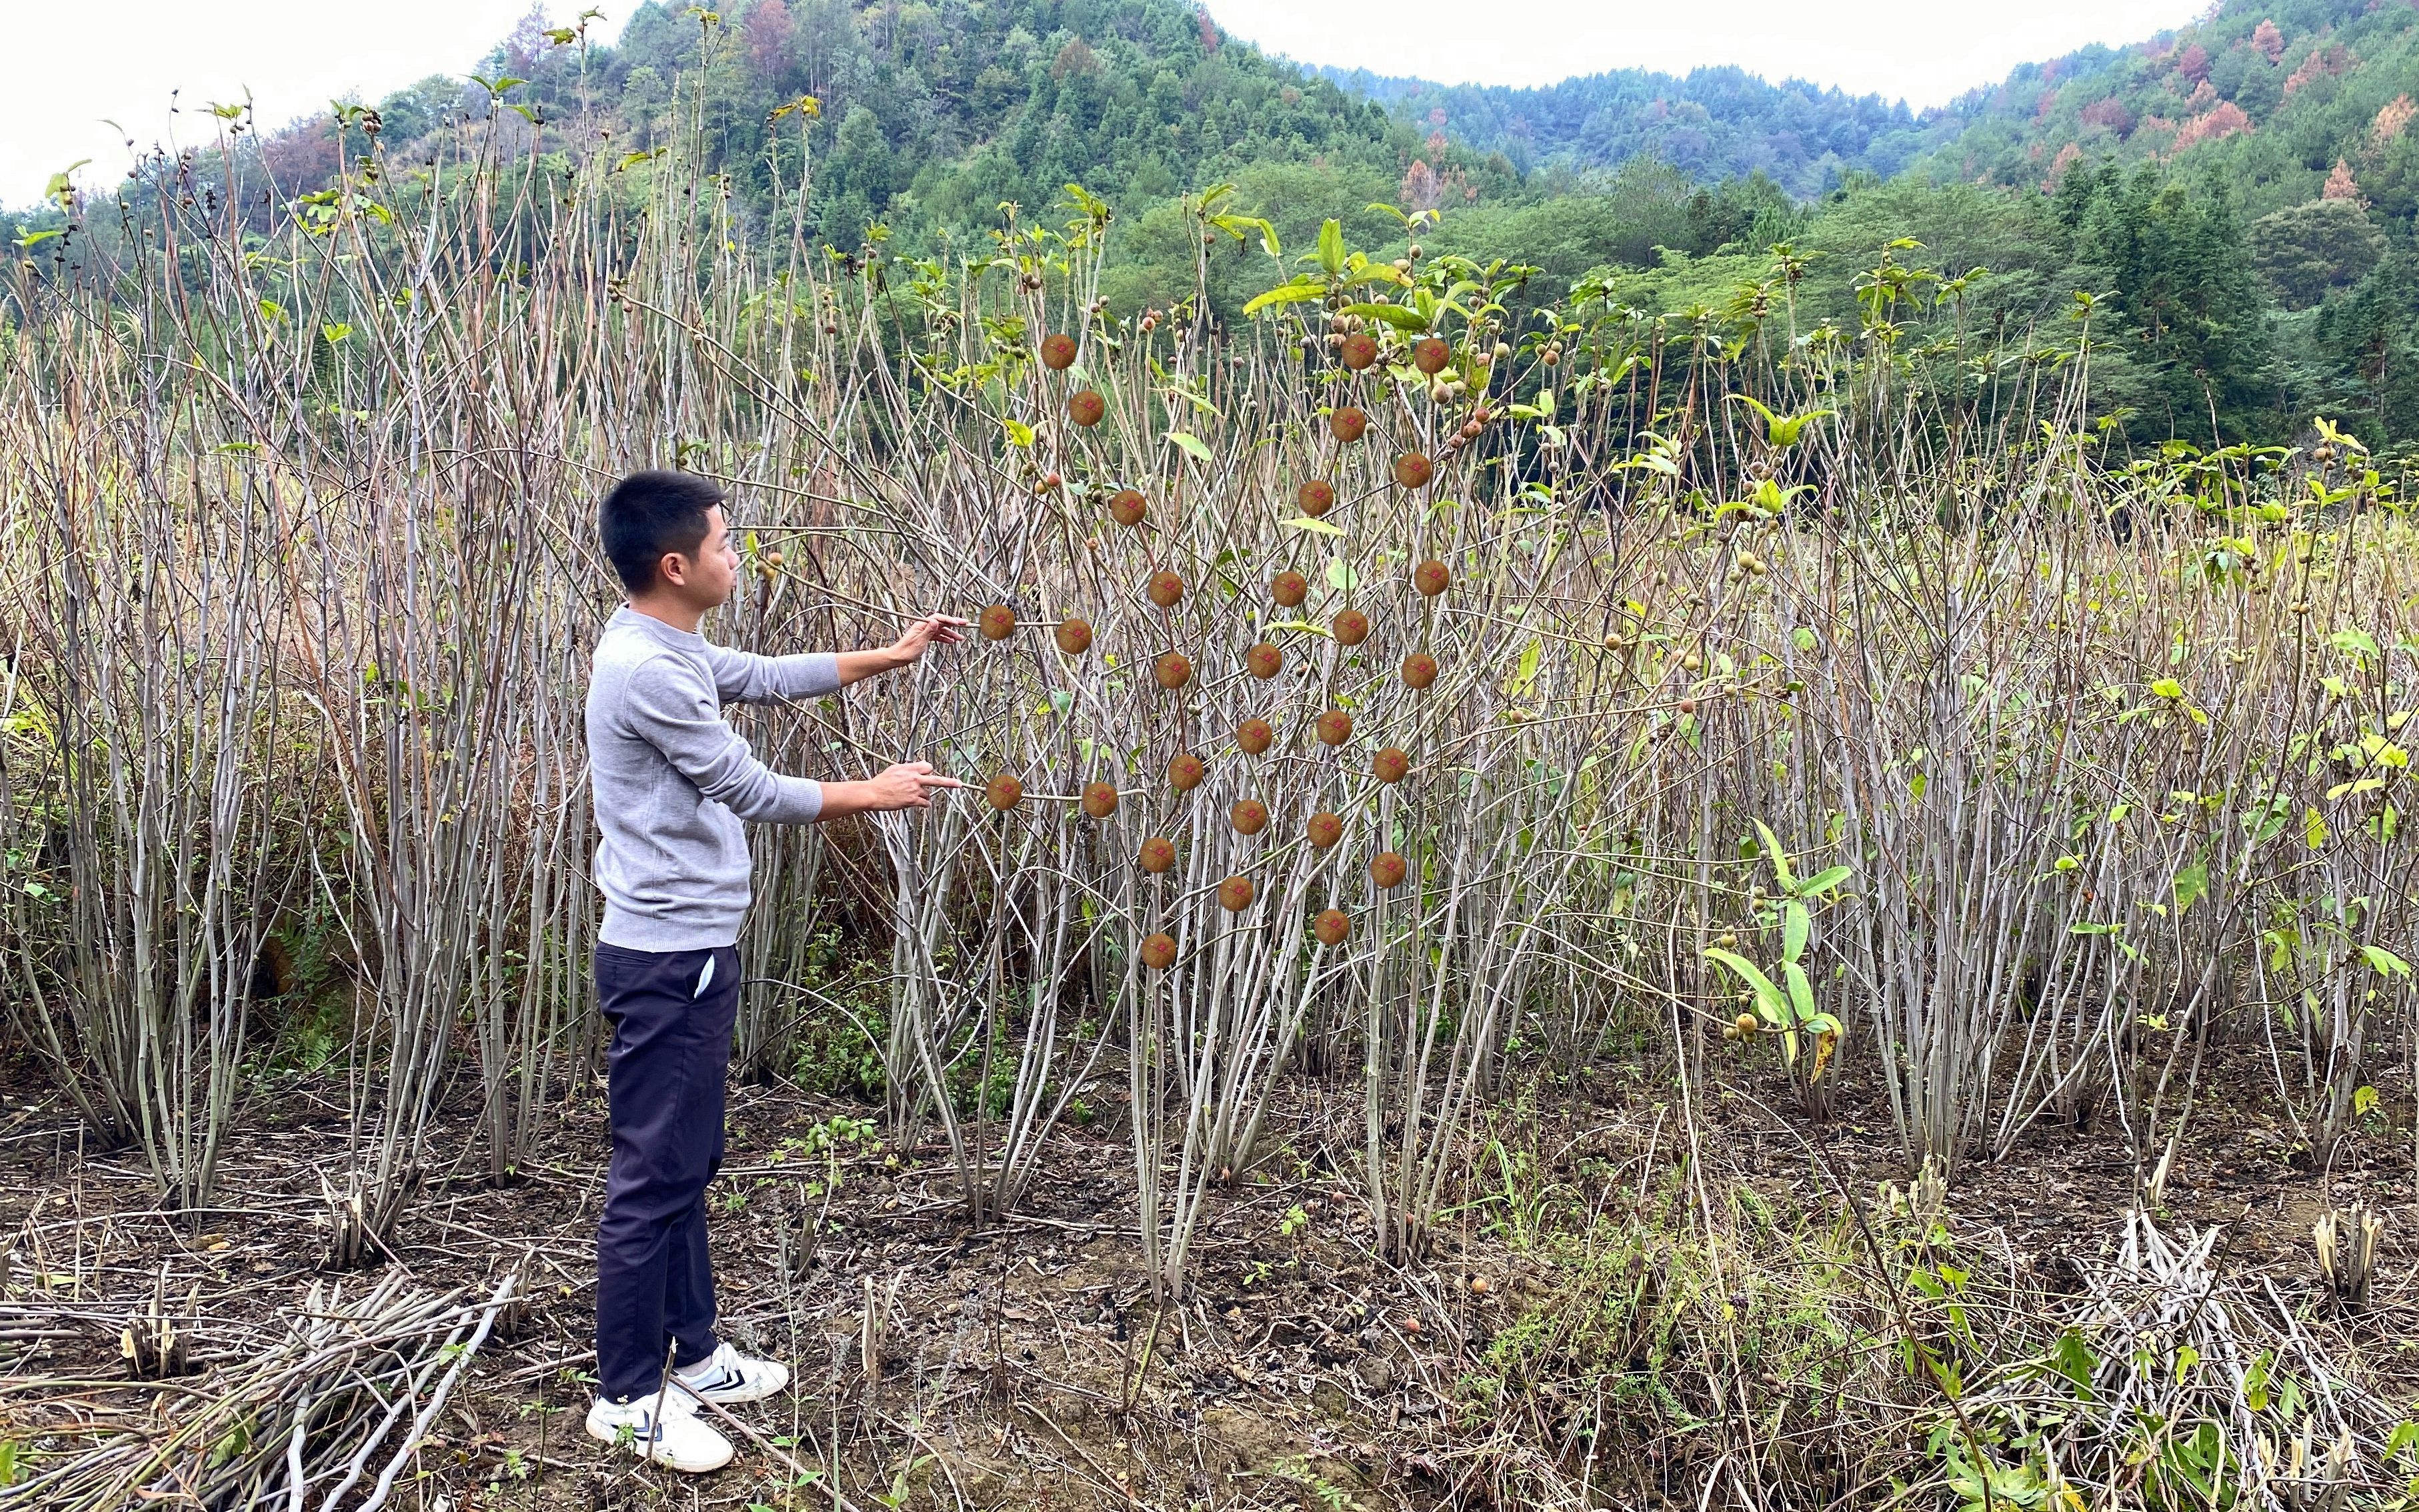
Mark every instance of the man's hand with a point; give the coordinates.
(907, 785)
(857, 666)
(942, 628)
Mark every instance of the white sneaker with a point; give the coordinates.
(678, 1440)
(728, 1377)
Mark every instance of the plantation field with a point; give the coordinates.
(1556, 906)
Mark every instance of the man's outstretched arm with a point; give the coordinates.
(942, 629)
(907, 785)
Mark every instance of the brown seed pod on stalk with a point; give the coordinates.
(1100, 800)
(1360, 350)
(1334, 728)
(1166, 589)
(1324, 829)
(1248, 817)
(1419, 670)
(1127, 507)
(1172, 670)
(1086, 407)
(1317, 497)
(1058, 351)
(998, 622)
(1430, 355)
(1387, 868)
(1391, 764)
(1003, 791)
(1185, 771)
(1264, 661)
(1158, 855)
(1289, 589)
(1159, 952)
(1256, 737)
(1431, 577)
(1074, 637)
(1412, 470)
(1351, 627)
(1348, 424)
(1334, 927)
(1235, 894)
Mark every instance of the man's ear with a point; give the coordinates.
(672, 567)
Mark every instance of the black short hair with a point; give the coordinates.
(649, 514)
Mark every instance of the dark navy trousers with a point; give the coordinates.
(671, 1047)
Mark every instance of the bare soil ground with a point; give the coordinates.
(1026, 1365)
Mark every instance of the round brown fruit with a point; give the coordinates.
(1159, 952)
(1166, 589)
(1386, 869)
(1412, 470)
(1391, 764)
(1248, 817)
(1264, 661)
(1173, 671)
(1255, 736)
(1127, 507)
(1360, 350)
(1003, 791)
(1289, 589)
(1351, 627)
(1334, 728)
(1333, 927)
(998, 622)
(1158, 855)
(1431, 577)
(1419, 670)
(1074, 637)
(1057, 351)
(1315, 497)
(1185, 771)
(1430, 355)
(1235, 894)
(1748, 1025)
(1324, 829)
(1100, 800)
(1345, 425)
(1086, 407)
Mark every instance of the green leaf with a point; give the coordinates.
(1767, 996)
(1331, 247)
(2167, 688)
(1018, 433)
(1779, 855)
(1801, 992)
(2314, 829)
(2384, 962)
(1794, 924)
(1823, 881)
(1303, 522)
(1295, 291)
(1190, 444)
(2356, 644)
(1393, 314)
(1341, 577)
(1525, 672)
(2192, 884)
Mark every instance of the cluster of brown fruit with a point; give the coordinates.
(1264, 661)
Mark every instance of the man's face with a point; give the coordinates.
(705, 580)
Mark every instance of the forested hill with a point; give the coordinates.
(2242, 195)
(1712, 124)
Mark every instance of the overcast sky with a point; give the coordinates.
(79, 64)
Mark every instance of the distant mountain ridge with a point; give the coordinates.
(2289, 101)
(1711, 123)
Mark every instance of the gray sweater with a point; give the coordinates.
(673, 779)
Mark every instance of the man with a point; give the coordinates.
(672, 782)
